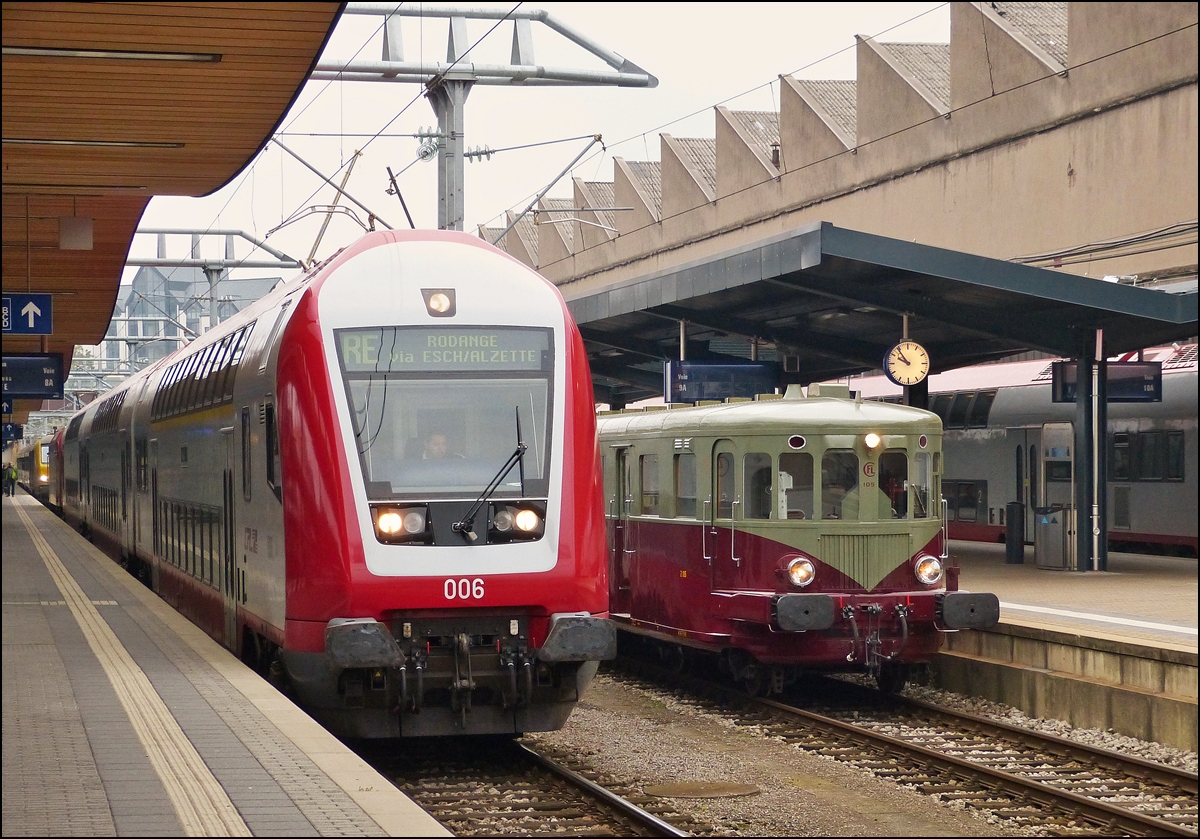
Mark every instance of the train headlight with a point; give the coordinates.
(400, 524)
(801, 572)
(521, 521)
(439, 302)
(928, 569)
(44, 478)
(872, 440)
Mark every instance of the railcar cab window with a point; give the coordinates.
(839, 478)
(685, 485)
(756, 472)
(796, 485)
(649, 506)
(475, 386)
(893, 480)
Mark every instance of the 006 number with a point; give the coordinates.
(463, 589)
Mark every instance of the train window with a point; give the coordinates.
(1033, 477)
(922, 485)
(1151, 459)
(479, 387)
(1058, 471)
(796, 481)
(246, 453)
(980, 409)
(1174, 455)
(725, 485)
(685, 485)
(893, 480)
(273, 477)
(941, 405)
(649, 506)
(839, 478)
(959, 408)
(236, 347)
(756, 485)
(266, 350)
(1119, 456)
(967, 501)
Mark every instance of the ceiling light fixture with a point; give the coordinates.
(29, 141)
(121, 55)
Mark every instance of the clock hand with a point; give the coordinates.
(900, 355)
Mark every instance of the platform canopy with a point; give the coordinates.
(109, 104)
(824, 302)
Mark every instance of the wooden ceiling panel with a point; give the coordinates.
(216, 114)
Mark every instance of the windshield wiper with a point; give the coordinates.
(467, 523)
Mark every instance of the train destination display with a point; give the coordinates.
(426, 350)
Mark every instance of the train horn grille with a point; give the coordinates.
(866, 559)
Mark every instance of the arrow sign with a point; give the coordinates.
(28, 314)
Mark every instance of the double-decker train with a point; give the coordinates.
(1006, 441)
(378, 484)
(784, 534)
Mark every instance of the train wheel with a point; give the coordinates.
(674, 658)
(891, 678)
(758, 681)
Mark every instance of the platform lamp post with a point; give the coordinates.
(449, 83)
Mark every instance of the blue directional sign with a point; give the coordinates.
(33, 376)
(13, 432)
(28, 314)
(7, 406)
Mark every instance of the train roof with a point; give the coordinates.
(773, 414)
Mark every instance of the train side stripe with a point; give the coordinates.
(201, 803)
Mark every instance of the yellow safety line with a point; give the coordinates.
(203, 807)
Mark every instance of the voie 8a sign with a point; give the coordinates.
(33, 376)
(399, 349)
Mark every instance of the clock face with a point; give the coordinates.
(907, 363)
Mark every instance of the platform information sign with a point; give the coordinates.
(33, 376)
(692, 381)
(28, 314)
(13, 432)
(1127, 381)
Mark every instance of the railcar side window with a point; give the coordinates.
(1119, 457)
(725, 485)
(756, 490)
(839, 478)
(796, 483)
(959, 409)
(685, 485)
(1174, 455)
(922, 486)
(649, 505)
(893, 480)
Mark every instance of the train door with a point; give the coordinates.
(721, 543)
(157, 524)
(620, 507)
(228, 565)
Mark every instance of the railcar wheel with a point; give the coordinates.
(758, 681)
(891, 678)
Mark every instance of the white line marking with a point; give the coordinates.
(1046, 610)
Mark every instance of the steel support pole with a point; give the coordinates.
(448, 97)
(1100, 461)
(1082, 460)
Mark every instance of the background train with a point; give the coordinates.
(33, 466)
(1005, 441)
(278, 481)
(783, 534)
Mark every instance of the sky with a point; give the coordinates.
(703, 54)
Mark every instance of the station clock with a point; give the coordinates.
(906, 364)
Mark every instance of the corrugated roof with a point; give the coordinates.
(929, 63)
(648, 174)
(839, 99)
(566, 229)
(762, 127)
(702, 154)
(600, 194)
(1043, 23)
(489, 234)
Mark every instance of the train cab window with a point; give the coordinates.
(980, 408)
(1119, 456)
(959, 409)
(483, 388)
(649, 505)
(922, 486)
(796, 484)
(893, 481)
(756, 489)
(685, 485)
(725, 485)
(839, 478)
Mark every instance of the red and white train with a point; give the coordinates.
(380, 482)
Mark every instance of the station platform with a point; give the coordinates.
(122, 718)
(1140, 598)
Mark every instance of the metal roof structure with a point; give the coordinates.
(827, 302)
(109, 104)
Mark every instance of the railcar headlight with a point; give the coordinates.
(399, 524)
(872, 440)
(44, 478)
(414, 521)
(928, 569)
(503, 520)
(801, 572)
(389, 523)
(527, 521)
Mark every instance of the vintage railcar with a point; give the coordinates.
(784, 534)
(270, 481)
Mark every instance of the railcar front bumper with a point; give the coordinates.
(945, 610)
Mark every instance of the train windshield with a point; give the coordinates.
(438, 410)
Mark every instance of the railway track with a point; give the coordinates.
(508, 788)
(1025, 778)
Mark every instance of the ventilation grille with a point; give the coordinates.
(866, 559)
